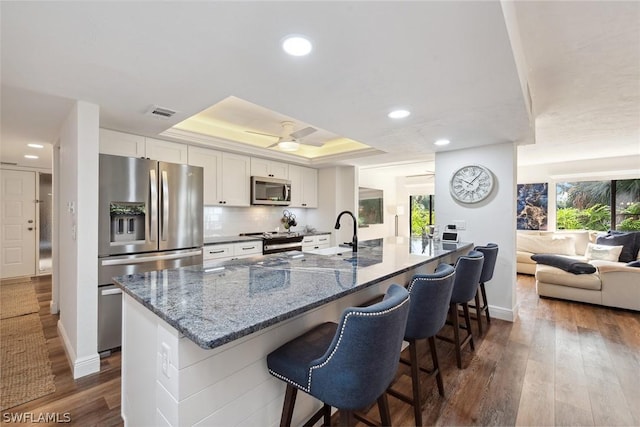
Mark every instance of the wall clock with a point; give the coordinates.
(471, 184)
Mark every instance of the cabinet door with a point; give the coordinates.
(309, 188)
(166, 151)
(262, 167)
(121, 144)
(236, 179)
(211, 162)
(297, 187)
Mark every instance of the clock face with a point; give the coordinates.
(471, 184)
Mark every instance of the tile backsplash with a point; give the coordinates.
(231, 221)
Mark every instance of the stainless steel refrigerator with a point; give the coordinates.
(150, 218)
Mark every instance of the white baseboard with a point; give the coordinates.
(503, 313)
(79, 366)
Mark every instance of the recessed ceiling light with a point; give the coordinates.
(35, 145)
(297, 45)
(399, 114)
(442, 142)
(30, 156)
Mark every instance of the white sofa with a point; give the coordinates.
(613, 284)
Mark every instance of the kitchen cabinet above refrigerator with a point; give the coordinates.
(128, 145)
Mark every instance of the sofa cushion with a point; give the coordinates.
(564, 263)
(556, 276)
(603, 252)
(561, 245)
(630, 242)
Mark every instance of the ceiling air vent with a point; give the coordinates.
(163, 113)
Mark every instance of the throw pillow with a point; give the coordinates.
(564, 263)
(635, 263)
(635, 250)
(626, 240)
(602, 252)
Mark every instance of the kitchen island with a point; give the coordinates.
(195, 339)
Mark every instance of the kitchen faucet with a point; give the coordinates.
(354, 240)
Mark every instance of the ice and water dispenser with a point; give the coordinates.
(127, 222)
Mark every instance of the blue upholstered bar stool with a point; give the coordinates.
(430, 297)
(490, 252)
(465, 286)
(347, 365)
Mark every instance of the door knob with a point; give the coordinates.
(30, 228)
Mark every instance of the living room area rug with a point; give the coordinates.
(25, 368)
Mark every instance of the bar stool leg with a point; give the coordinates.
(436, 365)
(478, 312)
(453, 312)
(415, 381)
(467, 320)
(484, 302)
(383, 407)
(287, 409)
(346, 418)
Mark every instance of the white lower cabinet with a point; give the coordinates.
(222, 251)
(320, 241)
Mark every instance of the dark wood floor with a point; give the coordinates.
(560, 363)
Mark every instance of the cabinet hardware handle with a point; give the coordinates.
(217, 252)
(246, 249)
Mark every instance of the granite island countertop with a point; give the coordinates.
(220, 302)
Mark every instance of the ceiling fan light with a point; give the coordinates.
(288, 145)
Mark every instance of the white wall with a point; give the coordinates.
(337, 191)
(492, 220)
(584, 170)
(77, 238)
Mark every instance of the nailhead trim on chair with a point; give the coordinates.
(355, 313)
(428, 279)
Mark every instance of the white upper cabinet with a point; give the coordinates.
(304, 187)
(262, 167)
(166, 151)
(211, 162)
(121, 144)
(226, 176)
(236, 180)
(124, 144)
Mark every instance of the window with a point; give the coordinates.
(422, 214)
(598, 205)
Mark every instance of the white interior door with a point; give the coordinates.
(18, 223)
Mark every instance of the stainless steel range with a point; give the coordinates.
(273, 243)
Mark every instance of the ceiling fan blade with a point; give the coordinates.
(263, 134)
(303, 132)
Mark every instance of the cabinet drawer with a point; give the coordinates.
(217, 251)
(248, 248)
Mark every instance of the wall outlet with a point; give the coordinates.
(165, 359)
(460, 224)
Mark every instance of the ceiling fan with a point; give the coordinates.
(289, 140)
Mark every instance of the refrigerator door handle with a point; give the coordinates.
(143, 259)
(165, 206)
(153, 218)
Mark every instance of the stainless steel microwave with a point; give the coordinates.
(270, 191)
